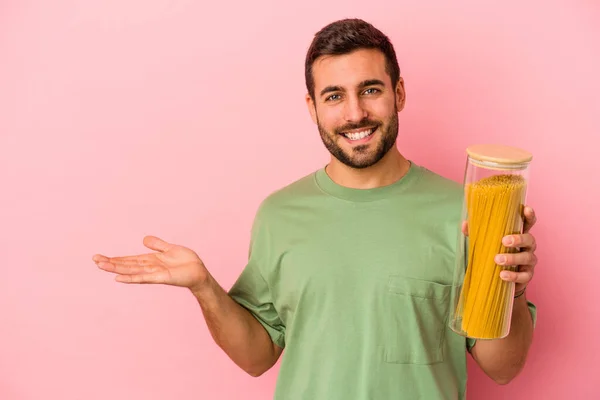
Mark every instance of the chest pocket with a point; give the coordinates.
(418, 312)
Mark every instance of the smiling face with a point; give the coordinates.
(355, 106)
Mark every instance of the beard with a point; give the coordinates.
(365, 155)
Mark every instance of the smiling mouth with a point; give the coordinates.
(361, 134)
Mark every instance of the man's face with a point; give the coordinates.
(355, 106)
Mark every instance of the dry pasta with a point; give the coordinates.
(494, 209)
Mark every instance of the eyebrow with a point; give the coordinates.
(365, 83)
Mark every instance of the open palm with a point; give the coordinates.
(171, 264)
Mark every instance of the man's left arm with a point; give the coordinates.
(503, 359)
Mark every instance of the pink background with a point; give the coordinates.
(176, 118)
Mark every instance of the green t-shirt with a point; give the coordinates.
(355, 285)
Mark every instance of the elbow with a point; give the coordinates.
(256, 366)
(505, 379)
(255, 372)
(256, 369)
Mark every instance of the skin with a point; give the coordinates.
(349, 105)
(342, 102)
(503, 359)
(232, 327)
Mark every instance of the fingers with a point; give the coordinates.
(99, 257)
(525, 240)
(154, 243)
(135, 273)
(465, 228)
(523, 258)
(530, 219)
(130, 265)
(141, 278)
(524, 276)
(141, 259)
(125, 269)
(143, 268)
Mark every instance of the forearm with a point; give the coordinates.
(503, 359)
(235, 330)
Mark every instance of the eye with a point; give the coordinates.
(371, 91)
(333, 97)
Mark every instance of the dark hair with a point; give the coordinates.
(344, 36)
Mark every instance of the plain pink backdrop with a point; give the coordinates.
(176, 118)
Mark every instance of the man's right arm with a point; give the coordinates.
(235, 330)
(233, 327)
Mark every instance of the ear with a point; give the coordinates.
(400, 94)
(310, 103)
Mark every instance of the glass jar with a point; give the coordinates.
(495, 189)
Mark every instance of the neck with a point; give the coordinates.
(392, 167)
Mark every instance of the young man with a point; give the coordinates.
(350, 268)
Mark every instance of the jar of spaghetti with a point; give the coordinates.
(495, 188)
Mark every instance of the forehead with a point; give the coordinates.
(348, 70)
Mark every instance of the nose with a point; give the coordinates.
(355, 112)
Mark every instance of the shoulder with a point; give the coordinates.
(288, 196)
(440, 186)
(441, 197)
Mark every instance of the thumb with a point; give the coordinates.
(154, 243)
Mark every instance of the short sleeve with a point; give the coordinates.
(532, 311)
(252, 291)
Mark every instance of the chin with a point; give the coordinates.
(361, 163)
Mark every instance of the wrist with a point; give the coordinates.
(201, 287)
(519, 293)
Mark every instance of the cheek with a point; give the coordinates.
(329, 119)
(381, 110)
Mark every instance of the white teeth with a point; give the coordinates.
(358, 135)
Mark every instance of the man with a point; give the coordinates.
(339, 259)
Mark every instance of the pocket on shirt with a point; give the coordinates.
(418, 313)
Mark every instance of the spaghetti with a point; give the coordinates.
(494, 209)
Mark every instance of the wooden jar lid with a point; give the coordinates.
(499, 154)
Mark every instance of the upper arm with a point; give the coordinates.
(252, 289)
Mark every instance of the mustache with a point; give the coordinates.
(365, 123)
